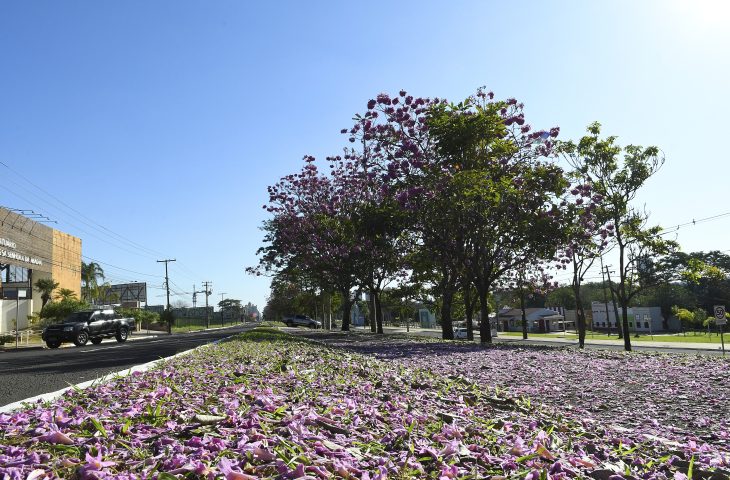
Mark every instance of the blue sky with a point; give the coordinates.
(151, 129)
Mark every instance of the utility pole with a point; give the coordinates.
(195, 302)
(207, 291)
(221, 308)
(167, 280)
(605, 299)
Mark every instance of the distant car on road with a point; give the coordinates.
(460, 332)
(85, 325)
(301, 321)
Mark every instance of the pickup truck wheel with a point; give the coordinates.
(81, 338)
(96, 340)
(122, 334)
(53, 343)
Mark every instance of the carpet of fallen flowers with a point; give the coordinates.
(268, 405)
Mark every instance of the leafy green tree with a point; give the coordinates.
(66, 294)
(231, 307)
(616, 174)
(90, 274)
(563, 296)
(57, 311)
(507, 190)
(46, 286)
(685, 316)
(143, 318)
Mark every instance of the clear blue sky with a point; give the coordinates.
(163, 122)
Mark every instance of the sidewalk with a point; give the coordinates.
(436, 332)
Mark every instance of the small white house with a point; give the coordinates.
(539, 320)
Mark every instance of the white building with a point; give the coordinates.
(641, 319)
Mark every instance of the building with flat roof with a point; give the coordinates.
(29, 251)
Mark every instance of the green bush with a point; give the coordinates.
(167, 318)
(56, 311)
(143, 318)
(6, 339)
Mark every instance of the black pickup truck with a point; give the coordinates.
(85, 325)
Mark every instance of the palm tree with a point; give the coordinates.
(46, 286)
(90, 272)
(65, 294)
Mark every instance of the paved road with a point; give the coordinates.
(29, 372)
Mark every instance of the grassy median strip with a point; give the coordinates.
(269, 405)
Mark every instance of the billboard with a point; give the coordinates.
(126, 292)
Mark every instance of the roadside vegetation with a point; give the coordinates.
(461, 207)
(268, 405)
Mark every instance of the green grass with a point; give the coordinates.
(690, 337)
(190, 324)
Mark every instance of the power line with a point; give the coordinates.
(693, 222)
(76, 214)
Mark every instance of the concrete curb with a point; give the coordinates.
(46, 397)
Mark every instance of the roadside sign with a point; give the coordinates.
(720, 318)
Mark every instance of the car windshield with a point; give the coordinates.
(78, 317)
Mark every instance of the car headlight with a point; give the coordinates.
(68, 329)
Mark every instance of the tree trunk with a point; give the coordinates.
(579, 317)
(625, 323)
(484, 328)
(447, 326)
(373, 312)
(524, 314)
(469, 307)
(378, 314)
(622, 298)
(346, 309)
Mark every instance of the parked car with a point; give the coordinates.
(93, 324)
(460, 333)
(301, 321)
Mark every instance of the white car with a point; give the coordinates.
(460, 333)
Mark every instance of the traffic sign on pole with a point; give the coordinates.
(720, 318)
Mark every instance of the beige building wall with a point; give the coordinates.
(66, 256)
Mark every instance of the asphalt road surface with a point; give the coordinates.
(29, 372)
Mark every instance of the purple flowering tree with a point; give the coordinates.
(391, 149)
(312, 236)
(509, 188)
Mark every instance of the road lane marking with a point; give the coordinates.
(97, 349)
